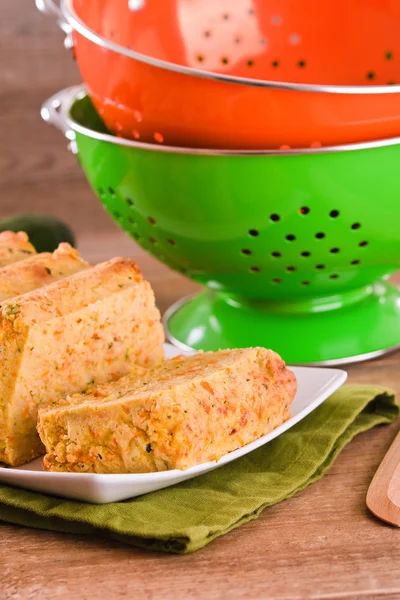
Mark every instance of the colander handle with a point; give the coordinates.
(52, 112)
(49, 7)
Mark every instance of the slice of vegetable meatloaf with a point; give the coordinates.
(57, 340)
(186, 411)
(14, 247)
(39, 270)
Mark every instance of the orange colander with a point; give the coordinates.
(247, 74)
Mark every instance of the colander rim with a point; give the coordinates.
(76, 23)
(66, 98)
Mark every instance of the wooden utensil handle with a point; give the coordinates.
(383, 497)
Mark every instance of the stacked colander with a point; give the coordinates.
(253, 145)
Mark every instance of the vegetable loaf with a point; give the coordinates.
(57, 340)
(14, 247)
(184, 412)
(39, 270)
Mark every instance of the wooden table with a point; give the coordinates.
(320, 544)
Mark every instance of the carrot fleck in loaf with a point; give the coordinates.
(184, 412)
(14, 247)
(57, 340)
(39, 270)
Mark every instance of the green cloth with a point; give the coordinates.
(189, 515)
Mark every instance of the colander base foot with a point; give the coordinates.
(362, 331)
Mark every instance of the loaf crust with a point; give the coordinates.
(57, 340)
(187, 411)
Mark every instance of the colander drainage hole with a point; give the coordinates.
(158, 137)
(334, 214)
(301, 64)
(151, 220)
(275, 64)
(333, 276)
(276, 254)
(290, 237)
(304, 210)
(111, 192)
(370, 75)
(225, 16)
(305, 283)
(152, 240)
(131, 221)
(320, 235)
(276, 280)
(290, 269)
(274, 217)
(389, 55)
(117, 216)
(225, 60)
(355, 262)
(171, 242)
(362, 244)
(356, 226)
(334, 250)
(320, 267)
(207, 33)
(254, 232)
(306, 254)
(200, 57)
(246, 251)
(250, 63)
(255, 269)
(129, 201)
(294, 39)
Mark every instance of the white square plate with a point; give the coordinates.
(314, 386)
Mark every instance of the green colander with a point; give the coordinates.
(294, 247)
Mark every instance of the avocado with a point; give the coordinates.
(45, 232)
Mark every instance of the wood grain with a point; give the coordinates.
(322, 544)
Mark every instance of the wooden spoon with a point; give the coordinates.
(383, 497)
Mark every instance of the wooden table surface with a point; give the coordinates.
(320, 544)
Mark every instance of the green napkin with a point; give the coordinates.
(189, 515)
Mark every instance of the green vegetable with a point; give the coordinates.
(45, 232)
(12, 309)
